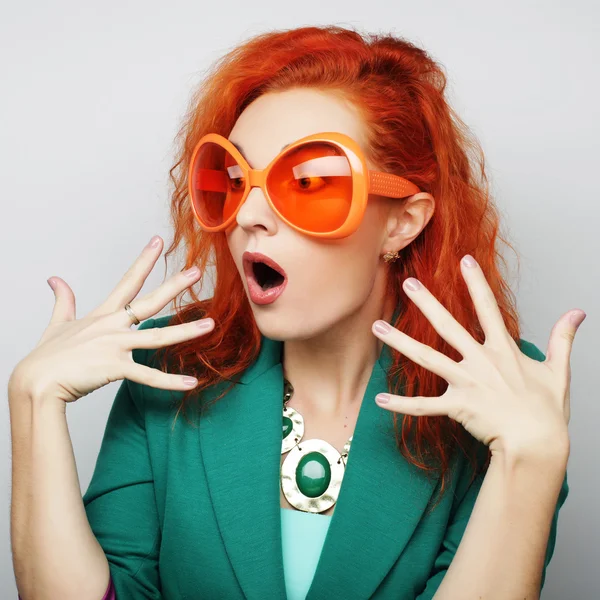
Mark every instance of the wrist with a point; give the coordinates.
(550, 456)
(20, 394)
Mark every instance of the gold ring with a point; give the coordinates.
(135, 320)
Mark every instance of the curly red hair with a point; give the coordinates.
(413, 132)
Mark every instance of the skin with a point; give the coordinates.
(518, 407)
(335, 288)
(515, 405)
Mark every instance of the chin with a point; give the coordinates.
(271, 326)
(283, 328)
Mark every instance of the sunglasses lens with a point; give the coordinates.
(218, 184)
(311, 186)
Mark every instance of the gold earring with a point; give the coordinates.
(390, 256)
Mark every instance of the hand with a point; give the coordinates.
(503, 398)
(75, 357)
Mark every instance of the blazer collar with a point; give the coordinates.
(381, 500)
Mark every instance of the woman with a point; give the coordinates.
(324, 176)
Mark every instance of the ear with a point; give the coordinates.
(406, 219)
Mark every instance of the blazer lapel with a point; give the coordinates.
(240, 445)
(381, 500)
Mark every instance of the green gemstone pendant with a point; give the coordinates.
(311, 474)
(293, 429)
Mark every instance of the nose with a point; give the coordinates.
(255, 212)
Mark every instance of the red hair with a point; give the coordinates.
(413, 132)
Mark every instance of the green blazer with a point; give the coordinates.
(193, 512)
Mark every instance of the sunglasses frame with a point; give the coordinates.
(364, 182)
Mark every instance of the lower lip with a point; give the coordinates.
(260, 296)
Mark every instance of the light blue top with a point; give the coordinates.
(302, 537)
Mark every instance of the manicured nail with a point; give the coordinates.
(154, 242)
(204, 323)
(382, 398)
(577, 317)
(191, 272)
(382, 327)
(190, 381)
(50, 283)
(413, 284)
(469, 261)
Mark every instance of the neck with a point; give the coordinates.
(330, 372)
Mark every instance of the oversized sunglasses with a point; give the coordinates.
(319, 184)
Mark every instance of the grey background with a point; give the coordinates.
(92, 95)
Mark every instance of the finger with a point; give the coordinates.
(441, 319)
(156, 300)
(132, 282)
(155, 378)
(420, 353)
(486, 306)
(418, 406)
(567, 405)
(158, 337)
(558, 353)
(64, 301)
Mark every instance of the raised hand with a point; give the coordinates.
(76, 356)
(503, 398)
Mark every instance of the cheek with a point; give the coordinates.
(346, 278)
(236, 248)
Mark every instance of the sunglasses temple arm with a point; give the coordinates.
(392, 186)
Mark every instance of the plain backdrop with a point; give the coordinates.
(93, 93)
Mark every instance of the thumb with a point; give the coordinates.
(64, 304)
(558, 353)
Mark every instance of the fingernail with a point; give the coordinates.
(413, 284)
(204, 323)
(50, 283)
(382, 398)
(382, 327)
(469, 261)
(191, 272)
(191, 381)
(577, 317)
(154, 242)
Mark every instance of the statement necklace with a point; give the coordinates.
(312, 473)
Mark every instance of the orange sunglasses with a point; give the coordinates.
(319, 184)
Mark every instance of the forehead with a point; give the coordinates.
(279, 118)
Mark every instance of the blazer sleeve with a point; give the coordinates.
(120, 501)
(462, 513)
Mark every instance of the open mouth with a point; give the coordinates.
(265, 276)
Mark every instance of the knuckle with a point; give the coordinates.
(462, 412)
(419, 409)
(424, 356)
(469, 380)
(149, 377)
(568, 335)
(155, 335)
(486, 299)
(19, 377)
(444, 329)
(130, 276)
(164, 381)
